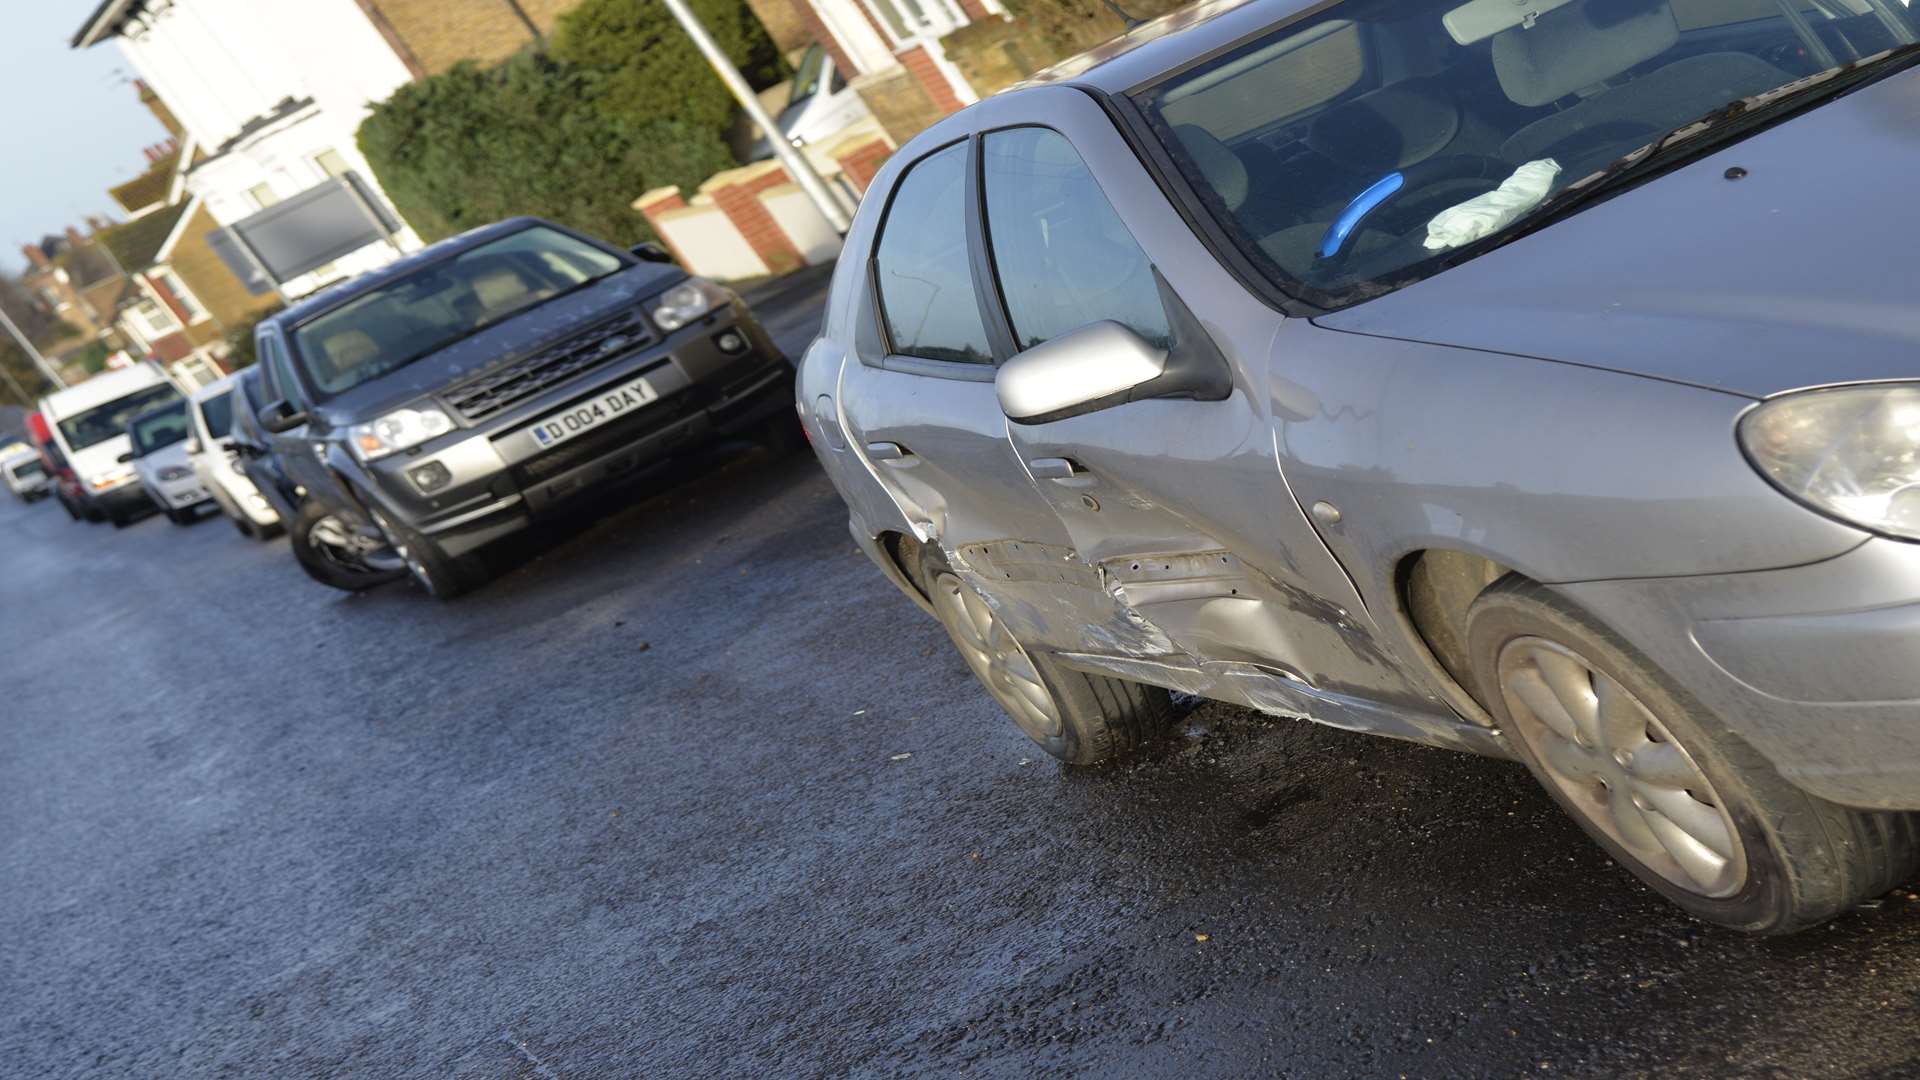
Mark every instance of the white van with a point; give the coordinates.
(89, 422)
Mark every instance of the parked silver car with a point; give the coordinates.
(216, 461)
(1503, 377)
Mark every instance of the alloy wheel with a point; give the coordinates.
(1620, 767)
(996, 658)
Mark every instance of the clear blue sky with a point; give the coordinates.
(71, 125)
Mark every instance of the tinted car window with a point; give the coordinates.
(103, 422)
(217, 411)
(926, 286)
(442, 302)
(1063, 257)
(162, 427)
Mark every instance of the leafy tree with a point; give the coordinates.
(621, 103)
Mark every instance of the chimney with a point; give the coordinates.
(152, 157)
(98, 225)
(74, 237)
(35, 256)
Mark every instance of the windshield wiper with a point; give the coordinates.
(1686, 139)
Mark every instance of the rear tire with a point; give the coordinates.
(323, 567)
(179, 517)
(1662, 784)
(1079, 718)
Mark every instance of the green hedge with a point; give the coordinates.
(621, 102)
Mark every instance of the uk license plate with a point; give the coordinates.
(604, 408)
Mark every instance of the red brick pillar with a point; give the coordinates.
(974, 8)
(818, 28)
(740, 200)
(655, 203)
(920, 64)
(861, 163)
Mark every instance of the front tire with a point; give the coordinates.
(443, 576)
(1662, 784)
(311, 535)
(1079, 718)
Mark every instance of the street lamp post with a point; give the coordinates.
(796, 162)
(33, 354)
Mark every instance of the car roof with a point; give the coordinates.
(334, 296)
(214, 389)
(102, 388)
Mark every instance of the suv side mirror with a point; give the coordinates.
(651, 252)
(1105, 364)
(280, 417)
(124, 458)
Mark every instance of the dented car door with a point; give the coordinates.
(1176, 503)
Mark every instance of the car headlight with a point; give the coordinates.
(1852, 452)
(397, 431)
(688, 301)
(113, 477)
(174, 472)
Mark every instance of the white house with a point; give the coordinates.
(269, 92)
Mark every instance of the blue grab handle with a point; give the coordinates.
(1363, 204)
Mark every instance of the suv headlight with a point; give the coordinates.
(1852, 452)
(686, 302)
(397, 431)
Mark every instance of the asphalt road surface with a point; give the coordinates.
(691, 792)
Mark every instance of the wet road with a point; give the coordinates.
(691, 792)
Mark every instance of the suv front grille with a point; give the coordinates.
(550, 366)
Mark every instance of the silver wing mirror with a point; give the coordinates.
(1090, 368)
(1105, 364)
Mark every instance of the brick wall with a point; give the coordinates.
(920, 64)
(899, 102)
(440, 33)
(737, 198)
(861, 162)
(657, 202)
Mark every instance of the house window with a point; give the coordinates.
(152, 320)
(909, 19)
(262, 196)
(332, 164)
(170, 281)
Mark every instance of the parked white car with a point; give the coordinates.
(25, 475)
(216, 462)
(819, 105)
(88, 425)
(159, 438)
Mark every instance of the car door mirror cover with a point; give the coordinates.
(1104, 364)
(1098, 365)
(280, 417)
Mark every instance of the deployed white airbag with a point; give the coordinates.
(1484, 215)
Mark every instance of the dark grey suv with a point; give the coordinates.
(443, 402)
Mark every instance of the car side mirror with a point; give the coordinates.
(1105, 364)
(124, 458)
(280, 417)
(651, 252)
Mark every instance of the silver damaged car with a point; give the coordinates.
(1538, 379)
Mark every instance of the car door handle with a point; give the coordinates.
(1055, 468)
(888, 451)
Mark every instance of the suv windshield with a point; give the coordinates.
(103, 422)
(442, 302)
(1357, 149)
(161, 427)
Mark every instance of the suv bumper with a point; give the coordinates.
(503, 481)
(1814, 666)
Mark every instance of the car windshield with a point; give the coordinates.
(442, 302)
(217, 411)
(103, 422)
(807, 76)
(1358, 149)
(28, 469)
(161, 427)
